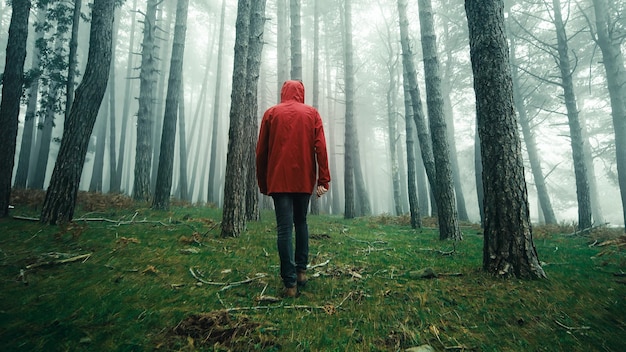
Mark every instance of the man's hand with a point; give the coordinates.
(320, 191)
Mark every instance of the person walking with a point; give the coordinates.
(291, 164)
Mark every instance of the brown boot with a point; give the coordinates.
(301, 278)
(290, 292)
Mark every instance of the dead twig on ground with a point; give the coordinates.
(309, 267)
(225, 285)
(82, 257)
(571, 327)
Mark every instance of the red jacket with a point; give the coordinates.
(291, 143)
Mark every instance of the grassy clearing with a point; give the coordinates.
(136, 292)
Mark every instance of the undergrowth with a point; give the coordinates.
(147, 280)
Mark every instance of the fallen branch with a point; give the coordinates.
(589, 229)
(226, 285)
(309, 267)
(83, 257)
(570, 327)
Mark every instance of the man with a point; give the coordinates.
(290, 155)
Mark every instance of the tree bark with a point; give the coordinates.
(613, 61)
(163, 188)
(444, 191)
(182, 145)
(414, 208)
(114, 181)
(234, 212)
(253, 66)
(72, 61)
(418, 113)
(315, 206)
(100, 132)
(508, 243)
(12, 88)
(296, 40)
(576, 134)
(127, 92)
(61, 196)
(531, 144)
(28, 133)
(145, 115)
(213, 189)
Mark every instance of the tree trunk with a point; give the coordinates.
(145, 115)
(448, 78)
(315, 206)
(49, 107)
(12, 87)
(163, 188)
(114, 181)
(60, 198)
(127, 92)
(197, 119)
(296, 40)
(95, 184)
(478, 170)
(414, 208)
(531, 145)
(444, 191)
(616, 78)
(575, 128)
(26, 146)
(253, 66)
(418, 113)
(182, 145)
(234, 212)
(282, 45)
(508, 243)
(165, 28)
(71, 71)
(213, 189)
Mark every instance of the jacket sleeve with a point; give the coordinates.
(321, 154)
(262, 149)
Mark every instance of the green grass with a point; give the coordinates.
(136, 293)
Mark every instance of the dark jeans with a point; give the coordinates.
(291, 209)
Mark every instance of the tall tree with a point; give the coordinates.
(444, 191)
(315, 207)
(212, 189)
(114, 181)
(127, 89)
(282, 45)
(163, 188)
(418, 112)
(234, 213)
(51, 105)
(145, 115)
(100, 132)
(576, 134)
(182, 145)
(508, 247)
(28, 133)
(296, 39)
(529, 139)
(73, 60)
(253, 67)
(414, 208)
(61, 196)
(609, 41)
(12, 88)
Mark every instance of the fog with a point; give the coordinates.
(376, 45)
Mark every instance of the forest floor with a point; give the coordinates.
(122, 277)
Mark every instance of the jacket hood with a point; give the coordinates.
(292, 90)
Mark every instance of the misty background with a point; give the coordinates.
(376, 44)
